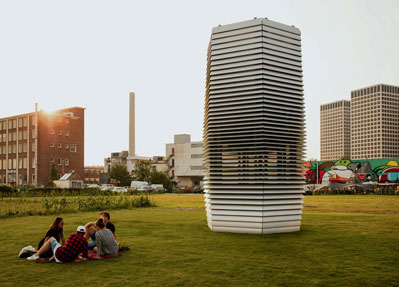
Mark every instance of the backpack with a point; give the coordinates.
(27, 251)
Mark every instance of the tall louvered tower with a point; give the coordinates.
(254, 137)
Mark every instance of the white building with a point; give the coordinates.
(69, 180)
(159, 163)
(184, 161)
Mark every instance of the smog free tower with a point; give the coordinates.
(254, 124)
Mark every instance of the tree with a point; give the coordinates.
(142, 171)
(159, 177)
(120, 174)
(54, 175)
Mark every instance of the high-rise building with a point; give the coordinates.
(375, 122)
(335, 130)
(254, 128)
(31, 143)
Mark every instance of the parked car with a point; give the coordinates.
(120, 189)
(145, 188)
(157, 187)
(107, 187)
(198, 189)
(92, 185)
(140, 185)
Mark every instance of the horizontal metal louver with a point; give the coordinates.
(254, 128)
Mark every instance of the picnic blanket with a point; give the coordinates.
(92, 255)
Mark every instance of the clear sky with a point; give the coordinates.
(93, 53)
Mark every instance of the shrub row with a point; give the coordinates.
(57, 205)
(8, 191)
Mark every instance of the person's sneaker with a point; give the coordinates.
(33, 257)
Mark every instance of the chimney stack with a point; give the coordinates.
(132, 143)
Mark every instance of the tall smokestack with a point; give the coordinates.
(132, 138)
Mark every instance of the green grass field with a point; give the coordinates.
(344, 241)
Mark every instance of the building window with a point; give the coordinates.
(25, 122)
(19, 148)
(67, 134)
(66, 162)
(24, 134)
(51, 145)
(51, 159)
(20, 123)
(73, 148)
(25, 163)
(66, 146)
(14, 124)
(59, 161)
(24, 147)
(59, 145)
(59, 133)
(196, 156)
(52, 132)
(196, 145)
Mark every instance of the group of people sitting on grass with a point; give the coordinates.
(101, 232)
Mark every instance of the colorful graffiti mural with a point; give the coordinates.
(356, 171)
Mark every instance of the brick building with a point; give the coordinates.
(29, 143)
(93, 173)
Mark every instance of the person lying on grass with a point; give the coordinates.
(75, 245)
(106, 243)
(91, 231)
(55, 230)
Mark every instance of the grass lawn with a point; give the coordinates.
(344, 241)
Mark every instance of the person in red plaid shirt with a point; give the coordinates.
(75, 245)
